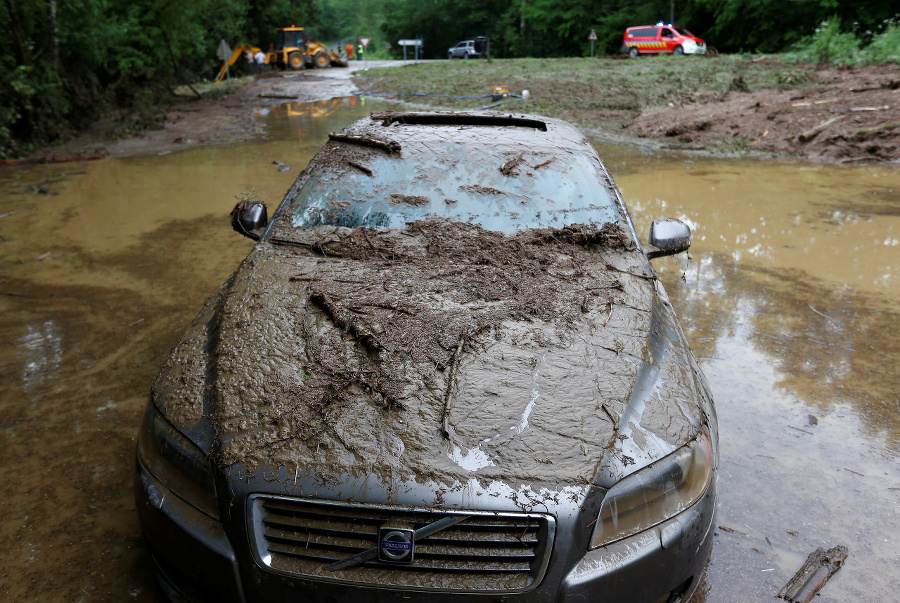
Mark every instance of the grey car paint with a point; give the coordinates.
(465, 49)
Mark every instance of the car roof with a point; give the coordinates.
(506, 168)
(500, 130)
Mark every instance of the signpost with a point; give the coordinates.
(224, 52)
(593, 38)
(365, 44)
(404, 43)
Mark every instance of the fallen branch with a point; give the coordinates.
(810, 134)
(451, 387)
(345, 322)
(819, 567)
(385, 145)
(12, 212)
(361, 168)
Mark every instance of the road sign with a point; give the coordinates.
(409, 42)
(592, 36)
(224, 51)
(365, 42)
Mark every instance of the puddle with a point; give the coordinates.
(789, 298)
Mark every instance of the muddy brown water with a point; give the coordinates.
(790, 299)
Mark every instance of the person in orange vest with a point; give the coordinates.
(349, 49)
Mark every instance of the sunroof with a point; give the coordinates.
(458, 119)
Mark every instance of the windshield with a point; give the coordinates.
(684, 32)
(484, 187)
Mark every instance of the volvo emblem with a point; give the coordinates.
(396, 545)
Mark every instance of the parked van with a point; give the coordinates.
(661, 38)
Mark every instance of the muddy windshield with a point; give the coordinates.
(497, 192)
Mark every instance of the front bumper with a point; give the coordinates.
(694, 48)
(196, 561)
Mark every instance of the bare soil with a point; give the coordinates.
(854, 115)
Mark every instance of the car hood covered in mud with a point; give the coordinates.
(367, 360)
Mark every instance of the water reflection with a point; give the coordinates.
(40, 352)
(828, 345)
(304, 121)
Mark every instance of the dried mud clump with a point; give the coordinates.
(414, 200)
(396, 309)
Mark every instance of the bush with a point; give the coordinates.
(886, 45)
(828, 46)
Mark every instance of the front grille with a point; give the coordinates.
(487, 552)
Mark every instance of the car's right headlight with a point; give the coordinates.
(177, 462)
(656, 493)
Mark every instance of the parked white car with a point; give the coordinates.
(468, 49)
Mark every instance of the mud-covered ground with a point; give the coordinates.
(852, 115)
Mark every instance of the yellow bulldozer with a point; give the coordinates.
(292, 50)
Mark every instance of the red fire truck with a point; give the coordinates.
(661, 38)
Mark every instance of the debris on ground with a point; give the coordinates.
(819, 567)
(854, 115)
(282, 166)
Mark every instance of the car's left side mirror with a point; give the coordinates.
(250, 218)
(668, 236)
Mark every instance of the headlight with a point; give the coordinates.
(177, 462)
(656, 492)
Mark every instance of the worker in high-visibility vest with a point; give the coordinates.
(349, 49)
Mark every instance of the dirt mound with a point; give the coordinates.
(854, 116)
(408, 303)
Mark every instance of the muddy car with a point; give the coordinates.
(446, 371)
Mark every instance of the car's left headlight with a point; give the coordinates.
(177, 462)
(656, 493)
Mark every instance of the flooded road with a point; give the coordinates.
(789, 298)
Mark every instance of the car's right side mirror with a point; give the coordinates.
(668, 236)
(250, 218)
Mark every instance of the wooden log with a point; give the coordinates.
(810, 134)
(809, 579)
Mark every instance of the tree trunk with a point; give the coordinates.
(54, 37)
(522, 20)
(20, 49)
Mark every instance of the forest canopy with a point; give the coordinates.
(64, 63)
